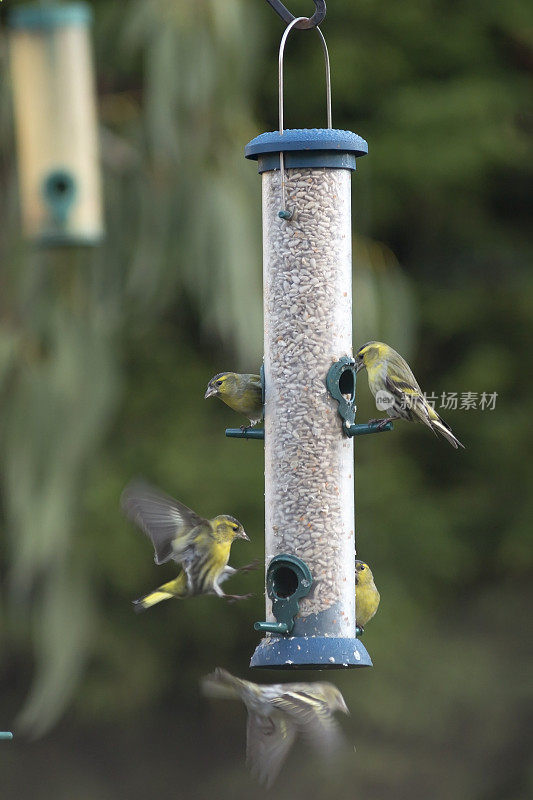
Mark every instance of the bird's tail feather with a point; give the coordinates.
(445, 430)
(176, 588)
(148, 600)
(221, 683)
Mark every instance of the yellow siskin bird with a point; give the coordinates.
(200, 546)
(242, 393)
(395, 388)
(366, 595)
(277, 713)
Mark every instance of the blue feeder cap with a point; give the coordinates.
(309, 652)
(306, 147)
(45, 17)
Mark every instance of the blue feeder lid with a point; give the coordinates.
(309, 652)
(306, 147)
(39, 17)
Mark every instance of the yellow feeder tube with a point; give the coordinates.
(56, 124)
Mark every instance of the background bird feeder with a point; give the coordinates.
(309, 482)
(56, 126)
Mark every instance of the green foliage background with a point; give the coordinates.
(104, 358)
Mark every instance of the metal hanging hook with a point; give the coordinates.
(304, 23)
(284, 213)
(284, 38)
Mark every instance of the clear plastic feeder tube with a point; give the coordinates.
(309, 484)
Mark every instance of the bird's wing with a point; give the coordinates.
(410, 397)
(268, 741)
(313, 717)
(161, 517)
(401, 388)
(399, 367)
(255, 380)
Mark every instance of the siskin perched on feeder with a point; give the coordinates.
(366, 595)
(200, 546)
(277, 713)
(395, 388)
(242, 393)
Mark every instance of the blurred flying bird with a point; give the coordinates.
(277, 713)
(242, 393)
(395, 388)
(200, 546)
(366, 594)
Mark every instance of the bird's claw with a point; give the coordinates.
(232, 598)
(379, 422)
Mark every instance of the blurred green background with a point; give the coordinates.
(104, 358)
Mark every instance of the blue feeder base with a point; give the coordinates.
(310, 652)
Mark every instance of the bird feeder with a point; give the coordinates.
(309, 384)
(56, 127)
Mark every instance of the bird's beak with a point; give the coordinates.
(243, 535)
(359, 365)
(210, 391)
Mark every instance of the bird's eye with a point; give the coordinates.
(362, 567)
(219, 383)
(235, 528)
